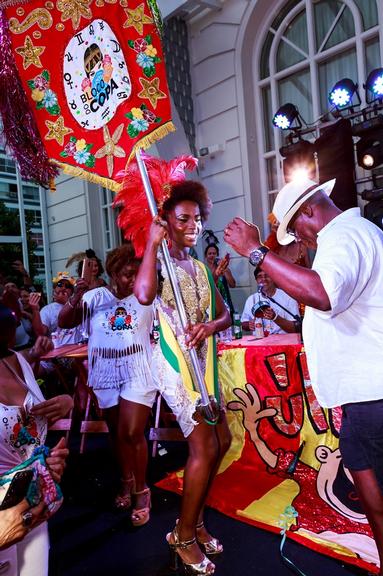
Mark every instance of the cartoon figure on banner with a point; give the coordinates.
(121, 320)
(96, 81)
(328, 492)
(96, 77)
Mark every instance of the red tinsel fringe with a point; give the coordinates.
(19, 127)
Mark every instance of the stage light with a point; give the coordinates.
(374, 85)
(369, 151)
(298, 161)
(300, 174)
(285, 116)
(342, 94)
(368, 161)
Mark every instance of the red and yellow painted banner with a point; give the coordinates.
(285, 453)
(94, 75)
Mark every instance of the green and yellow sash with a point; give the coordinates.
(174, 355)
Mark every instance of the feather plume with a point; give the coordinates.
(135, 218)
(75, 258)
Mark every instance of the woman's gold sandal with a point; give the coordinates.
(212, 546)
(141, 516)
(203, 568)
(124, 501)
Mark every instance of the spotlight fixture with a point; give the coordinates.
(374, 85)
(369, 151)
(298, 160)
(285, 116)
(344, 94)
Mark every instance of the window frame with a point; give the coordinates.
(314, 58)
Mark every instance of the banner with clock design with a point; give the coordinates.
(94, 78)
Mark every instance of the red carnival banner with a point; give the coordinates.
(95, 79)
(284, 468)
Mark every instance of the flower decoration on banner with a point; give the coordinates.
(80, 151)
(135, 217)
(91, 77)
(140, 119)
(43, 95)
(146, 55)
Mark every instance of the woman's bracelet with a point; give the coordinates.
(70, 304)
(275, 317)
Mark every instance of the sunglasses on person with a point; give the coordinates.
(291, 232)
(63, 284)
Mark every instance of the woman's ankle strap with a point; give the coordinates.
(144, 491)
(182, 543)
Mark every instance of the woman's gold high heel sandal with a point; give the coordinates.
(212, 546)
(203, 568)
(141, 516)
(124, 501)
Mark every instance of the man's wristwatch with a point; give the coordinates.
(257, 256)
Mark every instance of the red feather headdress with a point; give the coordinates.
(135, 218)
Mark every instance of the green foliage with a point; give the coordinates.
(149, 71)
(90, 161)
(132, 131)
(54, 110)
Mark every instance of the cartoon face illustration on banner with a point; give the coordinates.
(96, 77)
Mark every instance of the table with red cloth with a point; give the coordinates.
(284, 468)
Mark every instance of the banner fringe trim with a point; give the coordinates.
(145, 142)
(78, 172)
(151, 138)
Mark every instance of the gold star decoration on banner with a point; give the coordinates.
(74, 10)
(57, 130)
(137, 18)
(110, 149)
(30, 53)
(151, 91)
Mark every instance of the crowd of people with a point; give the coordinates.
(126, 370)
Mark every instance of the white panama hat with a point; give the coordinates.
(290, 198)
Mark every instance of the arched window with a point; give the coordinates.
(310, 45)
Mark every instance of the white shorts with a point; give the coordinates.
(138, 389)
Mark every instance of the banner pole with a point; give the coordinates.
(207, 405)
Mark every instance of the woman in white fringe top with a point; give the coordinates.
(119, 357)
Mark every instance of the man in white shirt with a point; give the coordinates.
(343, 324)
(278, 317)
(45, 321)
